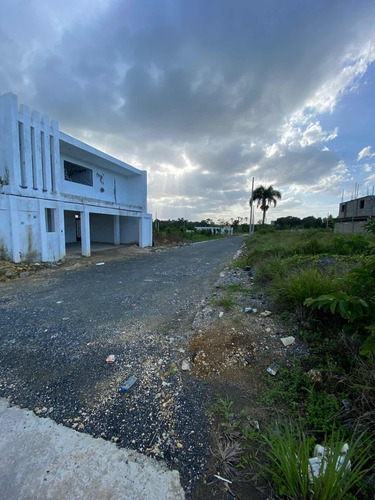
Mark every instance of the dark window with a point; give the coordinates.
(77, 173)
(362, 204)
(50, 220)
(343, 208)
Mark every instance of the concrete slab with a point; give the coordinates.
(43, 460)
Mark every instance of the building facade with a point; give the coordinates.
(56, 190)
(354, 214)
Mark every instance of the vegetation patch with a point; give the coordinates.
(266, 428)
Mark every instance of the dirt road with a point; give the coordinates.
(57, 330)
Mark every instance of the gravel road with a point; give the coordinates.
(57, 329)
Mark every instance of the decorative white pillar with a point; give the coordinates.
(25, 145)
(10, 170)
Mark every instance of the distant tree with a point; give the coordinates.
(264, 197)
(288, 222)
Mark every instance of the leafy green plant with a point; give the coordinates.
(358, 307)
(370, 226)
(350, 308)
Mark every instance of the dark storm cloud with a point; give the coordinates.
(174, 77)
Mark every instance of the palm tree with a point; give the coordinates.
(264, 197)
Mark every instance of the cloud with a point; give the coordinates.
(365, 152)
(201, 95)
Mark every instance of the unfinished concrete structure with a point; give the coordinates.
(354, 214)
(55, 190)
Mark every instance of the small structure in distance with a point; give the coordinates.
(216, 229)
(354, 214)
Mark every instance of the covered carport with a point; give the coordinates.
(86, 231)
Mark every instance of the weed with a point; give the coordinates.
(236, 288)
(226, 302)
(229, 452)
(223, 407)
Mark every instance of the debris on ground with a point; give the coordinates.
(128, 383)
(273, 368)
(288, 341)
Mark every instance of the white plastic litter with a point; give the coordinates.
(318, 463)
(287, 341)
(221, 314)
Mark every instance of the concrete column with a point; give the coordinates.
(46, 162)
(10, 170)
(61, 230)
(43, 232)
(14, 229)
(85, 233)
(116, 229)
(25, 142)
(140, 232)
(55, 155)
(37, 148)
(145, 231)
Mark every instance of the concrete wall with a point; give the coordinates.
(101, 228)
(349, 226)
(70, 226)
(353, 208)
(129, 230)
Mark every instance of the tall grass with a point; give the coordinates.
(291, 291)
(283, 244)
(289, 450)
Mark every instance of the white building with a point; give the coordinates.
(217, 229)
(56, 190)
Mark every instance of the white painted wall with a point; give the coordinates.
(32, 154)
(129, 230)
(101, 228)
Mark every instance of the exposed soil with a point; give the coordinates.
(231, 352)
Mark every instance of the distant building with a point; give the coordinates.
(216, 230)
(56, 190)
(354, 214)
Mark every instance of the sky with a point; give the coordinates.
(206, 94)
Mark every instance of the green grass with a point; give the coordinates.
(338, 272)
(289, 450)
(226, 302)
(283, 244)
(291, 290)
